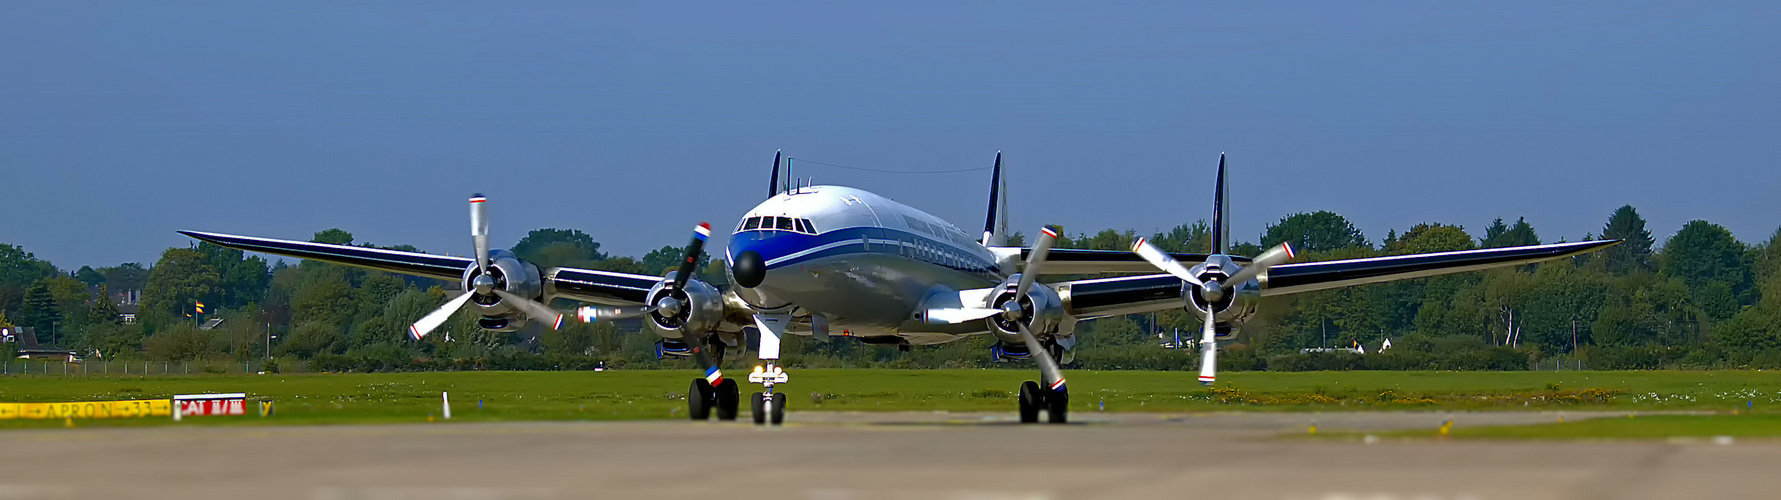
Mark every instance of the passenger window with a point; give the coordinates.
(785, 223)
(752, 223)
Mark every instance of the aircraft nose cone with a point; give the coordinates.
(748, 269)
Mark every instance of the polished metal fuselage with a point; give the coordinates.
(869, 266)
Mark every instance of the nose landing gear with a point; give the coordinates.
(768, 406)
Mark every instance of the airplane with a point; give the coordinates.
(829, 260)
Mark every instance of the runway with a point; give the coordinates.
(838, 456)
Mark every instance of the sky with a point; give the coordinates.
(123, 122)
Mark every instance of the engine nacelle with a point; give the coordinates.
(701, 309)
(512, 275)
(1230, 311)
(1041, 311)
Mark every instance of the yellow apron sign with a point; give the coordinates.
(88, 409)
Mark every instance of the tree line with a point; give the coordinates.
(1702, 299)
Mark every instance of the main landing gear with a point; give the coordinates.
(1034, 398)
(713, 392)
(1051, 395)
(703, 398)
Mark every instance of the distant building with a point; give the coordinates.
(128, 302)
(128, 313)
(26, 339)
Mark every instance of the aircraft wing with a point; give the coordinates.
(1077, 261)
(1294, 278)
(1155, 292)
(575, 284)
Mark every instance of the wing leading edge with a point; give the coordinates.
(442, 267)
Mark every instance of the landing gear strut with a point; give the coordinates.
(769, 406)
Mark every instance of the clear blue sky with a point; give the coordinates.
(123, 122)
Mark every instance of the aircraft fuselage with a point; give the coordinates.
(864, 262)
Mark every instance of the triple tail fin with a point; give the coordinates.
(1221, 227)
(773, 184)
(993, 233)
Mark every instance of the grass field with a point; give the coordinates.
(487, 396)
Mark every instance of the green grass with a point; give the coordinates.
(620, 394)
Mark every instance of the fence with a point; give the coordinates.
(45, 367)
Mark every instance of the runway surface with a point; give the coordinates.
(837, 456)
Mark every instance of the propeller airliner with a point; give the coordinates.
(817, 260)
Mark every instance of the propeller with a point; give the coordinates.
(479, 232)
(1051, 375)
(669, 303)
(484, 284)
(1209, 348)
(1163, 261)
(1212, 291)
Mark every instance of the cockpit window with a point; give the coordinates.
(804, 226)
(784, 223)
(752, 223)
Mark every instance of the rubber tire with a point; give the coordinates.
(728, 398)
(699, 399)
(778, 408)
(1057, 406)
(1030, 402)
(756, 402)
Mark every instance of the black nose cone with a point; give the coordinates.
(748, 269)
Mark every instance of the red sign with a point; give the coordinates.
(194, 405)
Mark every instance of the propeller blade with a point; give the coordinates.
(433, 319)
(1209, 350)
(1031, 272)
(693, 249)
(591, 314)
(773, 185)
(960, 314)
(533, 309)
(479, 231)
(1164, 262)
(1273, 257)
(1050, 374)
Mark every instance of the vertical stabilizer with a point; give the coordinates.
(991, 231)
(1221, 215)
(773, 184)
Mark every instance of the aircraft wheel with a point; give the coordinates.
(699, 400)
(728, 398)
(1030, 402)
(1057, 406)
(757, 402)
(778, 408)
